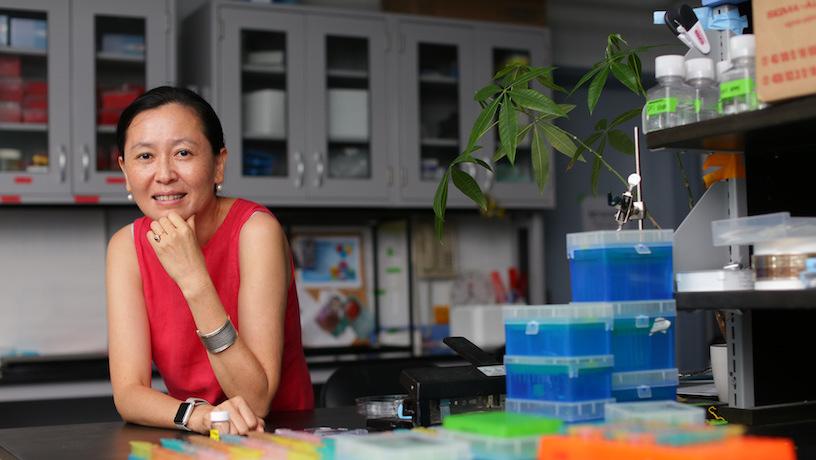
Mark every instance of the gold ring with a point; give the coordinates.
(156, 237)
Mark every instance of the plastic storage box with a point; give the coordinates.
(625, 265)
(659, 411)
(569, 412)
(558, 330)
(559, 379)
(658, 384)
(399, 445)
(496, 448)
(643, 335)
(502, 424)
(481, 324)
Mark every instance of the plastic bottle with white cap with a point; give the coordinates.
(220, 421)
(700, 78)
(667, 103)
(738, 86)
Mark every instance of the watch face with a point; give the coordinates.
(182, 410)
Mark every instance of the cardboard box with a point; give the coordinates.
(528, 12)
(785, 48)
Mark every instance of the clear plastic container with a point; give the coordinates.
(559, 379)
(558, 330)
(738, 85)
(643, 335)
(700, 77)
(670, 102)
(378, 407)
(400, 445)
(660, 384)
(484, 447)
(582, 411)
(657, 411)
(624, 265)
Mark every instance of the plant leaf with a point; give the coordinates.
(547, 81)
(464, 182)
(600, 125)
(484, 93)
(480, 126)
(595, 89)
(625, 75)
(499, 154)
(621, 142)
(508, 128)
(559, 139)
(625, 116)
(531, 75)
(506, 70)
(540, 159)
(532, 99)
(637, 68)
(587, 76)
(440, 203)
(579, 152)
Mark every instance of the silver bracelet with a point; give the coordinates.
(219, 339)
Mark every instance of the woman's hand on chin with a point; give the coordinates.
(176, 245)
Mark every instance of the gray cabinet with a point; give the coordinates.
(512, 186)
(69, 68)
(436, 85)
(302, 96)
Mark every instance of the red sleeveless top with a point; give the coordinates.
(176, 349)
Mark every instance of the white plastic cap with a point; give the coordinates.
(219, 416)
(700, 68)
(742, 46)
(670, 65)
(722, 68)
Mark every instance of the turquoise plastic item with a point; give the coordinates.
(559, 379)
(655, 411)
(558, 330)
(583, 411)
(496, 448)
(625, 265)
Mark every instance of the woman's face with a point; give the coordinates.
(169, 164)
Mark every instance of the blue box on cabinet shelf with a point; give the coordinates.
(559, 379)
(558, 330)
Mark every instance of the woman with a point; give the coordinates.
(202, 285)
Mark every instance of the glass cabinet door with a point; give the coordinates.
(438, 108)
(512, 185)
(34, 93)
(260, 100)
(346, 121)
(120, 49)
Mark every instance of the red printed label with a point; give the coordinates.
(86, 199)
(10, 199)
(23, 180)
(115, 180)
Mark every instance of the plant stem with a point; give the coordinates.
(685, 179)
(600, 158)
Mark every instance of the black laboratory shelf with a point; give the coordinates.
(747, 300)
(787, 122)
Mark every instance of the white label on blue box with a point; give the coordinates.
(642, 249)
(493, 371)
(532, 328)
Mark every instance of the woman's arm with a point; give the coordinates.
(251, 367)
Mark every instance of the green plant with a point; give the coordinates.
(510, 93)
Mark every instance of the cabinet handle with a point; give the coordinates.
(300, 169)
(86, 163)
(62, 160)
(320, 169)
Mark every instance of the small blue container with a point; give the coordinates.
(660, 384)
(559, 379)
(582, 411)
(643, 335)
(625, 265)
(558, 330)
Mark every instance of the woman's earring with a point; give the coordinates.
(218, 188)
(130, 197)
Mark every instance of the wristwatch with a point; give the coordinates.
(185, 410)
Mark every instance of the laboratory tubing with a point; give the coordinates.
(668, 103)
(700, 78)
(738, 87)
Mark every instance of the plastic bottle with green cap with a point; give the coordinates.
(669, 103)
(700, 78)
(738, 86)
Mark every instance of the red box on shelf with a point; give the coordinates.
(119, 98)
(108, 116)
(35, 102)
(10, 112)
(10, 66)
(11, 89)
(35, 88)
(35, 116)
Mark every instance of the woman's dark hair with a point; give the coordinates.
(162, 95)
